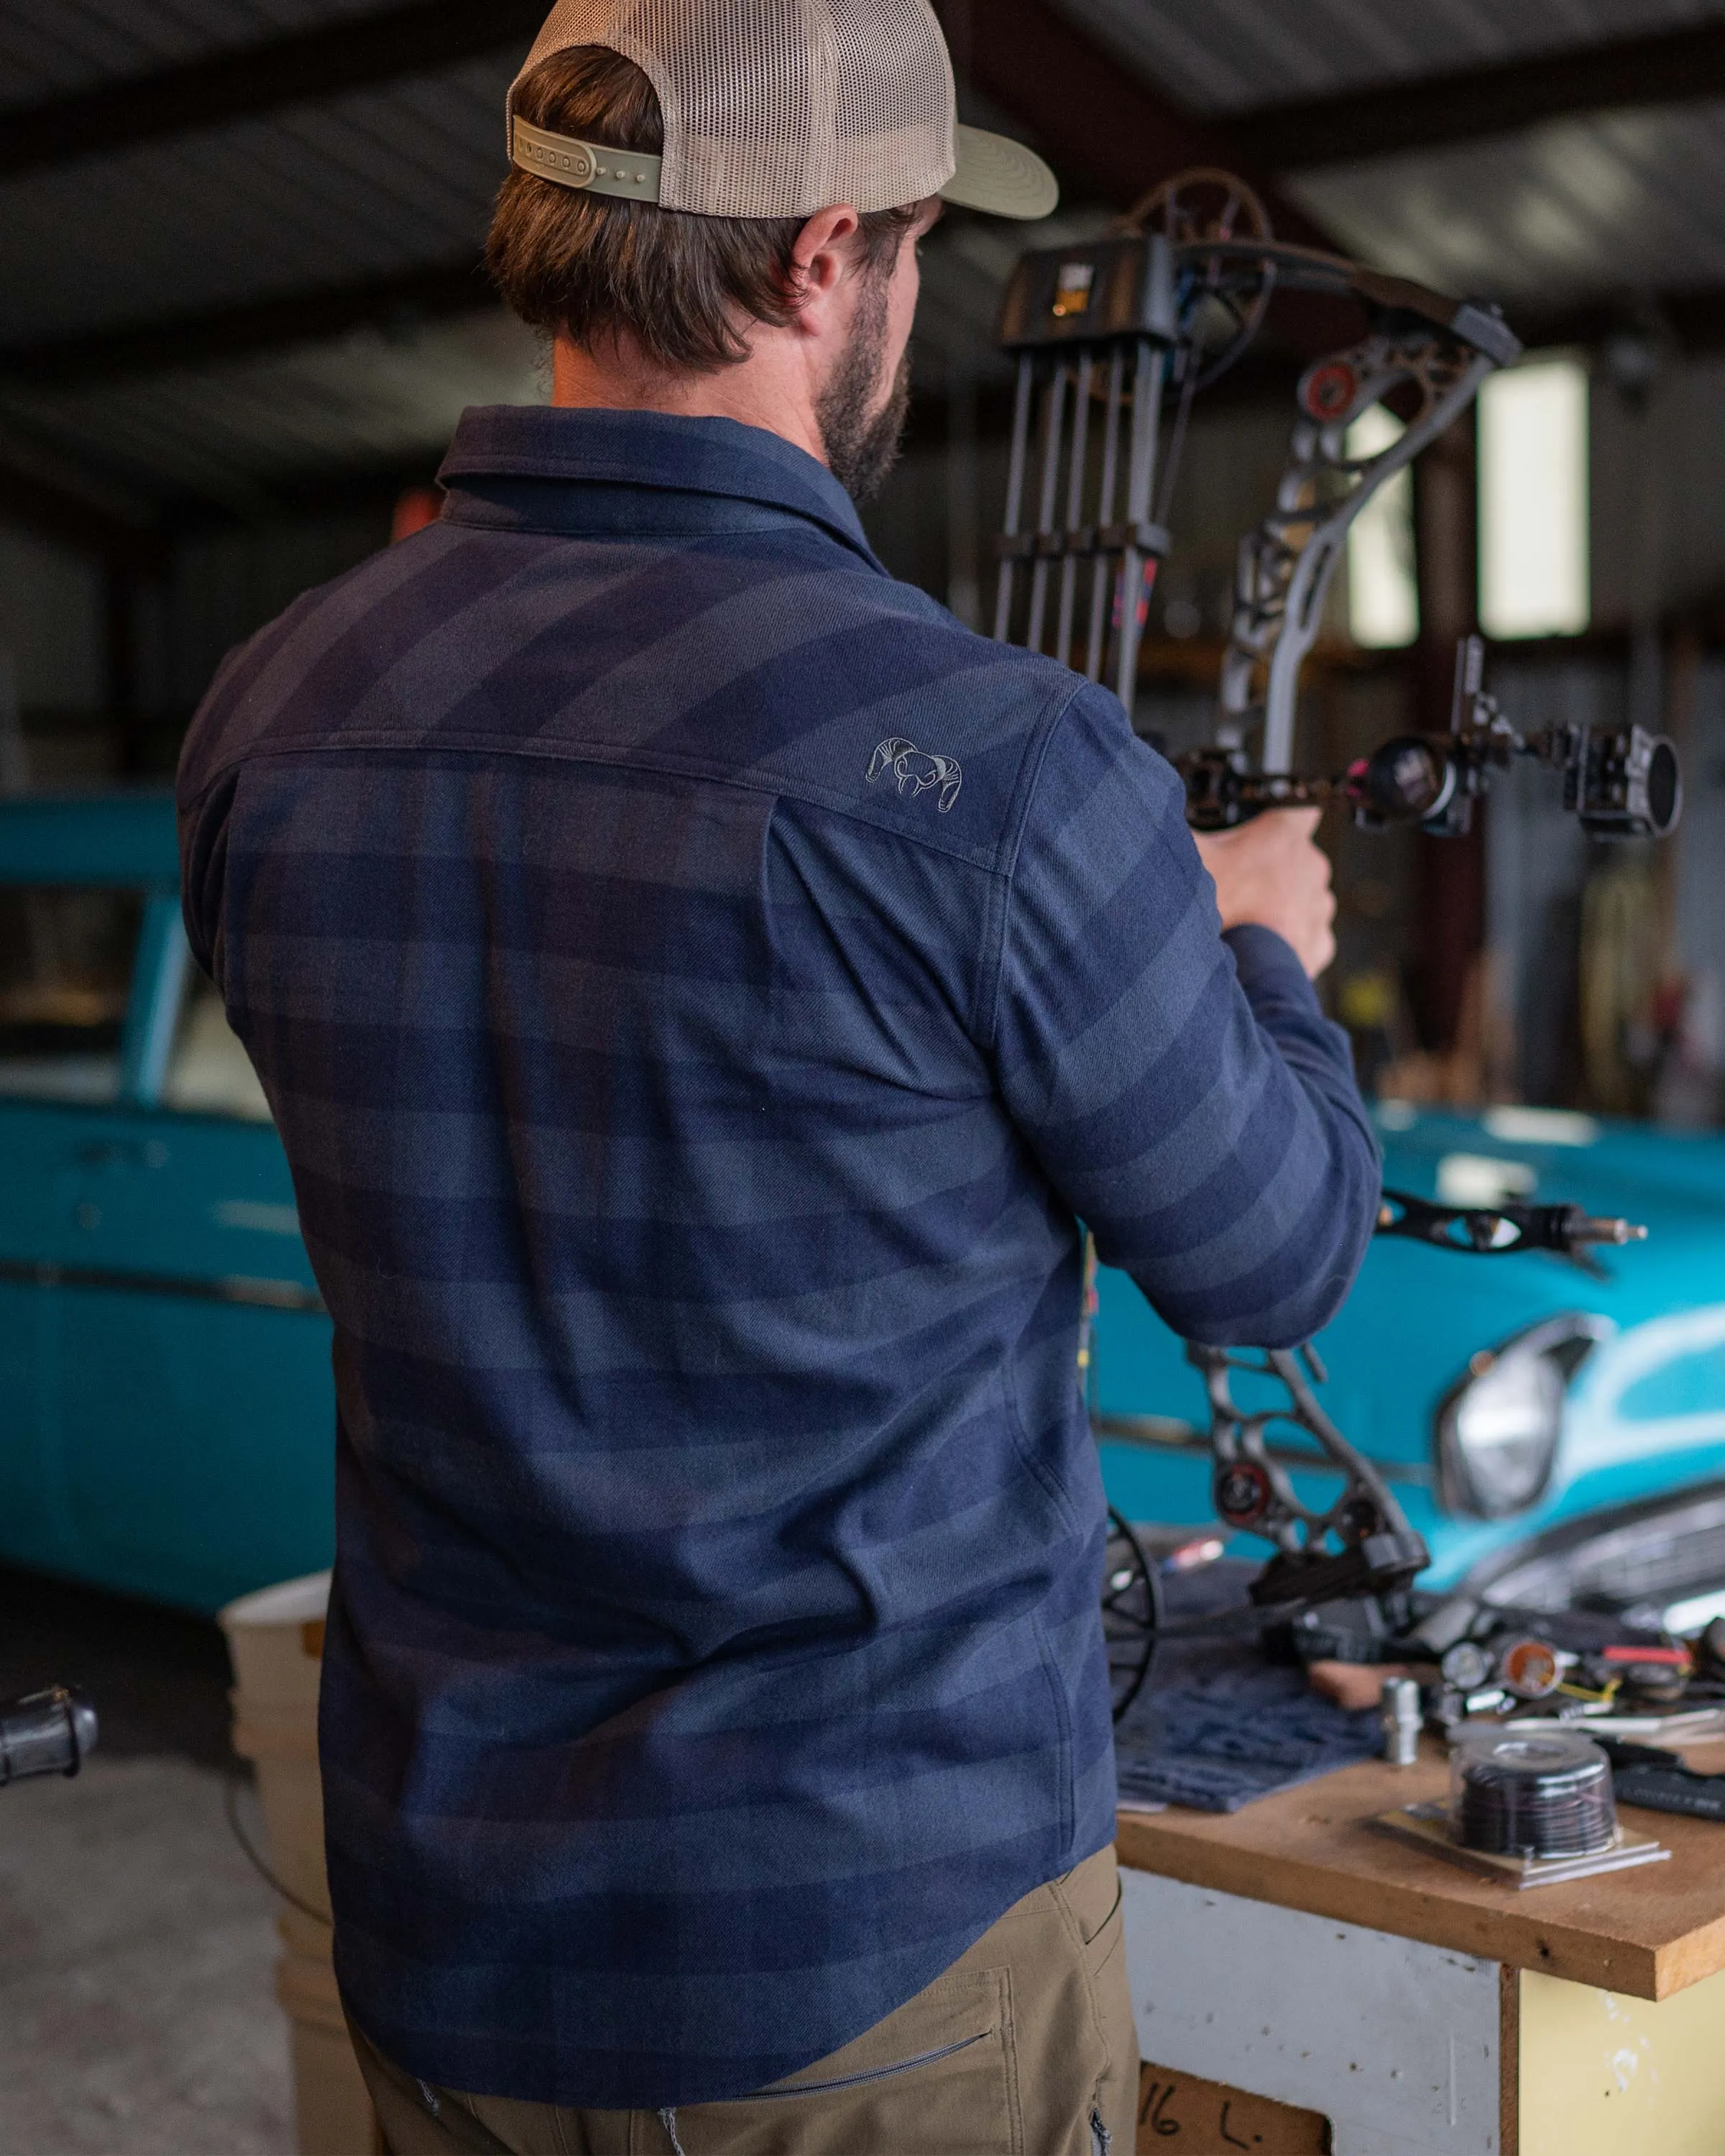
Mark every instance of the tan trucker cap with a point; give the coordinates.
(780, 108)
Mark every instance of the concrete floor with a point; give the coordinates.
(136, 1944)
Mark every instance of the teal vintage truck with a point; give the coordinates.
(167, 1410)
(166, 1403)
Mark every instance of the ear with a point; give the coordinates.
(821, 263)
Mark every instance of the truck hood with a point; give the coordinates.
(1418, 1316)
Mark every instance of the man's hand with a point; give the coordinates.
(1270, 874)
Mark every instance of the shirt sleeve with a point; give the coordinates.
(1182, 1091)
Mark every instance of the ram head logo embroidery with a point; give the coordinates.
(918, 774)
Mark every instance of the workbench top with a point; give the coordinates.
(1646, 1933)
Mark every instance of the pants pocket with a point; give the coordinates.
(871, 2074)
(940, 2073)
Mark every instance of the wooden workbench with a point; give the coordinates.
(1296, 1954)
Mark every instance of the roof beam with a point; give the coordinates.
(353, 53)
(1100, 123)
(37, 504)
(179, 342)
(1669, 67)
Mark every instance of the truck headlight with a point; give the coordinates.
(1498, 1430)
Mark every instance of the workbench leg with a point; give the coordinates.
(1509, 2061)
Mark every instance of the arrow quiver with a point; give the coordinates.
(1095, 333)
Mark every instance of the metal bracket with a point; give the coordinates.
(1360, 1544)
(1569, 1231)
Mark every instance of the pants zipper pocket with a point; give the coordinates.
(874, 2074)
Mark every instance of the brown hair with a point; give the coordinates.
(593, 268)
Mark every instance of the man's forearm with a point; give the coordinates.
(1185, 1095)
(1308, 1277)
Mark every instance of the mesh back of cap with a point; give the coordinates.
(778, 108)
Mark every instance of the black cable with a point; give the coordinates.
(231, 1805)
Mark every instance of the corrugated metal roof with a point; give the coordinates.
(1571, 211)
(1227, 55)
(388, 180)
(366, 185)
(369, 183)
(1631, 202)
(226, 433)
(53, 48)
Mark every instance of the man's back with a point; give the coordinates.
(698, 986)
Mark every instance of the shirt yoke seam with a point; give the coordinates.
(765, 785)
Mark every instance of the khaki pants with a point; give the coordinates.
(1025, 2047)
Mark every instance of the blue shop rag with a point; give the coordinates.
(1217, 1726)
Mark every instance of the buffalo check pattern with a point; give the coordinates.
(691, 1125)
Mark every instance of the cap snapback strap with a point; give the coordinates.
(588, 167)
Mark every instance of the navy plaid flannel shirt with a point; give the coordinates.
(700, 987)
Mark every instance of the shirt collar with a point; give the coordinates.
(656, 449)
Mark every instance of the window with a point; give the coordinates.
(66, 967)
(210, 1074)
(1383, 588)
(67, 960)
(1534, 506)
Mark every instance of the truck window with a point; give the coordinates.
(210, 1073)
(66, 958)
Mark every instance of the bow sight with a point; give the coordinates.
(1623, 784)
(1106, 336)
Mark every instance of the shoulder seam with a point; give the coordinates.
(1028, 785)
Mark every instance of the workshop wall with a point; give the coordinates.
(52, 647)
(1658, 511)
(936, 520)
(224, 584)
(1607, 962)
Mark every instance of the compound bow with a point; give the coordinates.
(1101, 334)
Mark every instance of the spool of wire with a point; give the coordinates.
(1525, 1794)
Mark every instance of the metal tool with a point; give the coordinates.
(47, 1732)
(1530, 1669)
(1403, 1718)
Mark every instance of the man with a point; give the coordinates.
(700, 987)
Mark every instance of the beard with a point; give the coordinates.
(862, 436)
